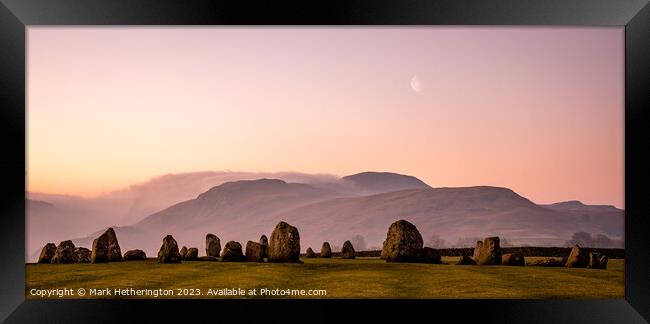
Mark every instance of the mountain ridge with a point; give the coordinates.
(335, 211)
(476, 211)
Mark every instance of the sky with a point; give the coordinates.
(537, 110)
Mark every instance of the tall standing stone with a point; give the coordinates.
(114, 251)
(99, 253)
(490, 252)
(477, 250)
(47, 253)
(212, 245)
(578, 258)
(347, 251)
(169, 251)
(403, 243)
(284, 245)
(326, 250)
(106, 248)
(183, 252)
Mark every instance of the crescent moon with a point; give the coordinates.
(416, 85)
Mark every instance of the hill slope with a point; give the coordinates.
(244, 210)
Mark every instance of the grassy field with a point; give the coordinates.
(360, 278)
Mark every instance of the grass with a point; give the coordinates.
(360, 278)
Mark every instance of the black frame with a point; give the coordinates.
(16, 15)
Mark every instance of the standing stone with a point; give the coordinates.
(232, 252)
(347, 251)
(429, 255)
(100, 249)
(192, 254)
(64, 253)
(513, 259)
(106, 248)
(284, 245)
(82, 255)
(578, 258)
(169, 251)
(597, 261)
(212, 245)
(465, 260)
(490, 252)
(114, 251)
(403, 243)
(310, 253)
(254, 252)
(549, 262)
(265, 244)
(477, 250)
(135, 255)
(47, 253)
(326, 250)
(594, 260)
(183, 252)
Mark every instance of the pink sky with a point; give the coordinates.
(537, 110)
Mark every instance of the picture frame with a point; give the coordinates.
(16, 16)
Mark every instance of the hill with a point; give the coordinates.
(244, 210)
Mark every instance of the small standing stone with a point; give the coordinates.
(326, 250)
(513, 259)
(465, 260)
(135, 255)
(82, 255)
(347, 251)
(265, 244)
(549, 262)
(191, 255)
(602, 263)
(254, 252)
(169, 251)
(65, 253)
(594, 260)
(490, 252)
(212, 245)
(232, 252)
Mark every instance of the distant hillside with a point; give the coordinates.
(368, 183)
(244, 210)
(53, 222)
